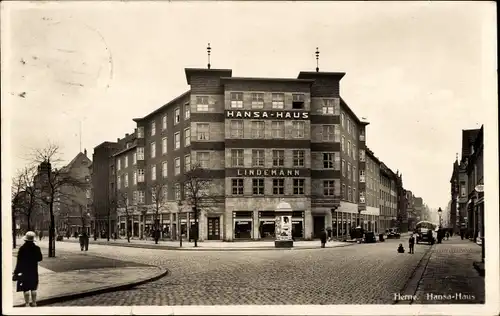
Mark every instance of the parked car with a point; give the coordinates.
(393, 233)
(370, 237)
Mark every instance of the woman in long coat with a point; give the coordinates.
(26, 270)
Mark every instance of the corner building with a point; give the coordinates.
(262, 140)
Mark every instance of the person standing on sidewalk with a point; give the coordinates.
(323, 238)
(411, 244)
(26, 270)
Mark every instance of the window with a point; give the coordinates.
(298, 186)
(342, 119)
(258, 158)
(348, 126)
(298, 101)
(164, 122)
(329, 188)
(164, 145)
(134, 158)
(134, 178)
(278, 101)
(257, 100)
(343, 167)
(237, 100)
(187, 111)
(140, 197)
(164, 192)
(125, 182)
(153, 128)
(355, 196)
(177, 192)
(153, 149)
(237, 159)
(237, 186)
(278, 186)
(153, 173)
(258, 129)
(140, 153)
(298, 128)
(177, 140)
(140, 175)
(298, 158)
(202, 104)
(236, 129)
(119, 182)
(164, 169)
(126, 161)
(328, 106)
(278, 129)
(258, 186)
(348, 171)
(353, 151)
(328, 133)
(349, 194)
(177, 166)
(140, 132)
(343, 192)
(177, 116)
(119, 164)
(348, 148)
(187, 162)
(342, 143)
(187, 137)
(278, 158)
(354, 177)
(203, 159)
(328, 160)
(202, 131)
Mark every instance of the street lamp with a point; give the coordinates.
(440, 211)
(179, 230)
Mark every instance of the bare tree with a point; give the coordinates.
(25, 194)
(122, 202)
(198, 193)
(159, 199)
(51, 184)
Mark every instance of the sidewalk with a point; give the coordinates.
(74, 275)
(211, 245)
(446, 275)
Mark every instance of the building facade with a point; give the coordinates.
(388, 198)
(475, 178)
(372, 181)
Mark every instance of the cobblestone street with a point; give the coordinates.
(360, 274)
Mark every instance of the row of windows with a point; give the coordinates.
(139, 174)
(177, 120)
(278, 186)
(351, 195)
(351, 127)
(351, 149)
(257, 100)
(258, 129)
(278, 158)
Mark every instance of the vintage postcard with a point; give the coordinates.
(250, 158)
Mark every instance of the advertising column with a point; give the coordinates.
(283, 226)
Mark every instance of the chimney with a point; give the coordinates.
(85, 152)
(118, 140)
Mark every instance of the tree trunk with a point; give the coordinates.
(52, 246)
(95, 228)
(196, 227)
(109, 226)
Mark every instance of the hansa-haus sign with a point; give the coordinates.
(293, 115)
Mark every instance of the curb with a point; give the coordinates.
(199, 249)
(101, 290)
(411, 286)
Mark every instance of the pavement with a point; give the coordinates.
(208, 245)
(73, 275)
(446, 276)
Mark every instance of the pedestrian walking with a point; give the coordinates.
(40, 235)
(86, 240)
(26, 270)
(323, 237)
(411, 244)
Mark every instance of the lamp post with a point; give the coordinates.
(440, 211)
(179, 230)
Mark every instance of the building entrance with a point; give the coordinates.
(318, 225)
(213, 228)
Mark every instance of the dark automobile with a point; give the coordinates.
(370, 237)
(424, 231)
(392, 233)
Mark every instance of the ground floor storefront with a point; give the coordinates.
(230, 223)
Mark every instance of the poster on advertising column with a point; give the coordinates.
(284, 227)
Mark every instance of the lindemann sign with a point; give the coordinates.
(293, 115)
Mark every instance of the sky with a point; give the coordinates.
(418, 72)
